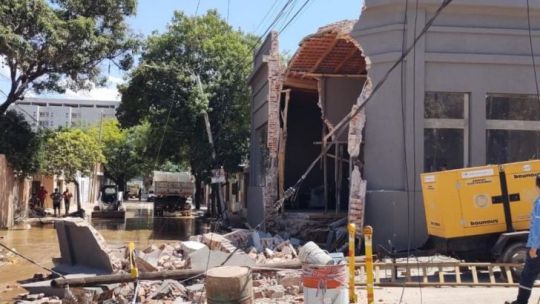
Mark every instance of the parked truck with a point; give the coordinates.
(171, 191)
(481, 213)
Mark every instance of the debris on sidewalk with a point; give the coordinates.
(7, 257)
(240, 247)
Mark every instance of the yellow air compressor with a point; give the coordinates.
(481, 213)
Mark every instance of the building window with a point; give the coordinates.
(43, 114)
(445, 131)
(44, 124)
(512, 128)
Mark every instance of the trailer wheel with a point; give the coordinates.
(515, 253)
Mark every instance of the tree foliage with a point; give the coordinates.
(124, 150)
(69, 152)
(164, 90)
(20, 144)
(51, 45)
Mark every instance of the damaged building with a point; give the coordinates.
(465, 96)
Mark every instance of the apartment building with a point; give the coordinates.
(55, 113)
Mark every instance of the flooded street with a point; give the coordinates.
(41, 244)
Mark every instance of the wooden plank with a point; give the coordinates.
(458, 274)
(509, 275)
(324, 54)
(441, 275)
(491, 275)
(347, 57)
(283, 145)
(474, 274)
(377, 274)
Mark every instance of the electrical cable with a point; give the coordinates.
(287, 14)
(197, 8)
(228, 9)
(404, 132)
(294, 16)
(163, 135)
(270, 10)
(414, 145)
(30, 260)
(340, 127)
(276, 19)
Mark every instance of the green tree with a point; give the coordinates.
(123, 149)
(51, 45)
(71, 152)
(20, 144)
(164, 90)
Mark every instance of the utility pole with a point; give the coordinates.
(216, 183)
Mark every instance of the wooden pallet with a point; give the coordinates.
(439, 274)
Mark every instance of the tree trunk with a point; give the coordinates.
(78, 189)
(199, 191)
(213, 200)
(5, 105)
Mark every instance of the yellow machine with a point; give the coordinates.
(481, 211)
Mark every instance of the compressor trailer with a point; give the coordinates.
(481, 213)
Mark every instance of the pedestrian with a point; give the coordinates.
(532, 264)
(140, 194)
(57, 201)
(67, 200)
(42, 195)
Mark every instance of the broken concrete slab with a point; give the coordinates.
(189, 247)
(201, 258)
(82, 245)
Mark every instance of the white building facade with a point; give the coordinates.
(66, 113)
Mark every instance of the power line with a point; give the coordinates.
(163, 135)
(228, 9)
(403, 129)
(276, 19)
(271, 9)
(532, 50)
(294, 16)
(197, 8)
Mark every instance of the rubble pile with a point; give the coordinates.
(37, 299)
(6, 257)
(164, 257)
(262, 247)
(283, 287)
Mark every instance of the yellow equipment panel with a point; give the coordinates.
(469, 202)
(521, 178)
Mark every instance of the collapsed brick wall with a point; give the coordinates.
(358, 186)
(13, 195)
(275, 81)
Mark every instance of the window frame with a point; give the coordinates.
(507, 125)
(451, 123)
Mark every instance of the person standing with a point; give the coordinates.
(532, 264)
(57, 201)
(42, 195)
(67, 200)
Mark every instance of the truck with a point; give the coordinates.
(481, 213)
(171, 191)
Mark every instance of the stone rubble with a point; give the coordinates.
(7, 257)
(264, 248)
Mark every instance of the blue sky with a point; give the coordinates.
(247, 15)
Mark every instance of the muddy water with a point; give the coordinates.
(139, 226)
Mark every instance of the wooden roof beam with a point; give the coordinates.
(349, 56)
(326, 52)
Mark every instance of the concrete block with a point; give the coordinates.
(189, 247)
(80, 244)
(200, 258)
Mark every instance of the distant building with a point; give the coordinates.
(54, 113)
